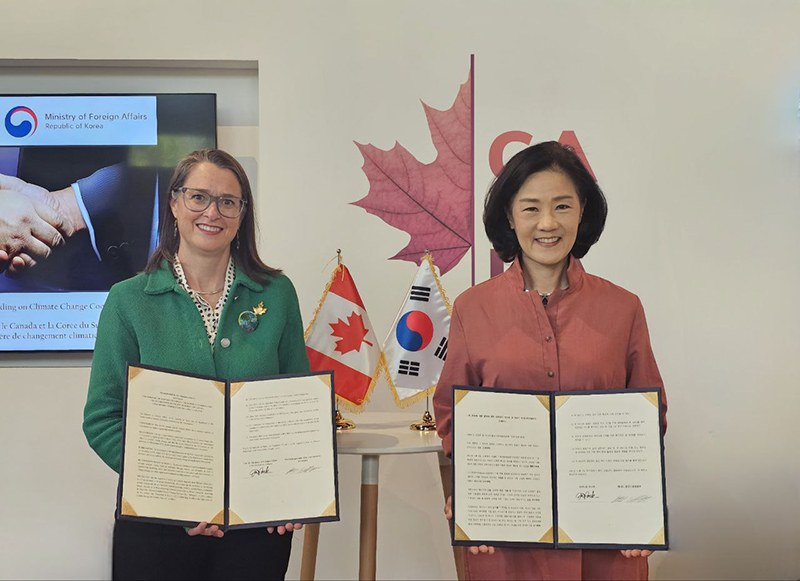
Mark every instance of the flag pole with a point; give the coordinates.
(427, 424)
(342, 424)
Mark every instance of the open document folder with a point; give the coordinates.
(238, 454)
(558, 470)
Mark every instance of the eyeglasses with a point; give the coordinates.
(198, 200)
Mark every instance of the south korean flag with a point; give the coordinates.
(416, 347)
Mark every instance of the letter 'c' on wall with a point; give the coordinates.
(499, 146)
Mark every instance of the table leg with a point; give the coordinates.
(446, 471)
(369, 518)
(308, 565)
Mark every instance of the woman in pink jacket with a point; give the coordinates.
(546, 324)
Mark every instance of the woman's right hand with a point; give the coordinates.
(206, 531)
(448, 512)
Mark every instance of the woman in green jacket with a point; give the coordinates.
(183, 313)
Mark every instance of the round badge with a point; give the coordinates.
(248, 321)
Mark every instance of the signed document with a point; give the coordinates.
(238, 454)
(558, 470)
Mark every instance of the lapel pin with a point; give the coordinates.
(248, 320)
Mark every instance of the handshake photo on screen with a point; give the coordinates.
(80, 202)
(32, 222)
(78, 207)
(85, 233)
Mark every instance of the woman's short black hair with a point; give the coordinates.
(549, 155)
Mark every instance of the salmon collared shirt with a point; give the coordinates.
(591, 335)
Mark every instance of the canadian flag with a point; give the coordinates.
(340, 338)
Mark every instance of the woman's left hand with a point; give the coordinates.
(628, 553)
(287, 527)
(205, 530)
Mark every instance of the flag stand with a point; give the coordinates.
(427, 424)
(342, 424)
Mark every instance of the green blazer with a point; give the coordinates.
(150, 319)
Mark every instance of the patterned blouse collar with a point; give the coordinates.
(211, 315)
(180, 276)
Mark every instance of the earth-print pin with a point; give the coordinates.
(248, 320)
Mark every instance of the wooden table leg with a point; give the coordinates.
(446, 473)
(369, 518)
(308, 565)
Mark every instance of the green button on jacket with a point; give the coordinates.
(150, 319)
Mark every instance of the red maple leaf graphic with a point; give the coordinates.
(351, 334)
(432, 202)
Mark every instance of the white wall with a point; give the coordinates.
(688, 114)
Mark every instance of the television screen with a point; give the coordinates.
(106, 161)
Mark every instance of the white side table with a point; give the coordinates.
(376, 434)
